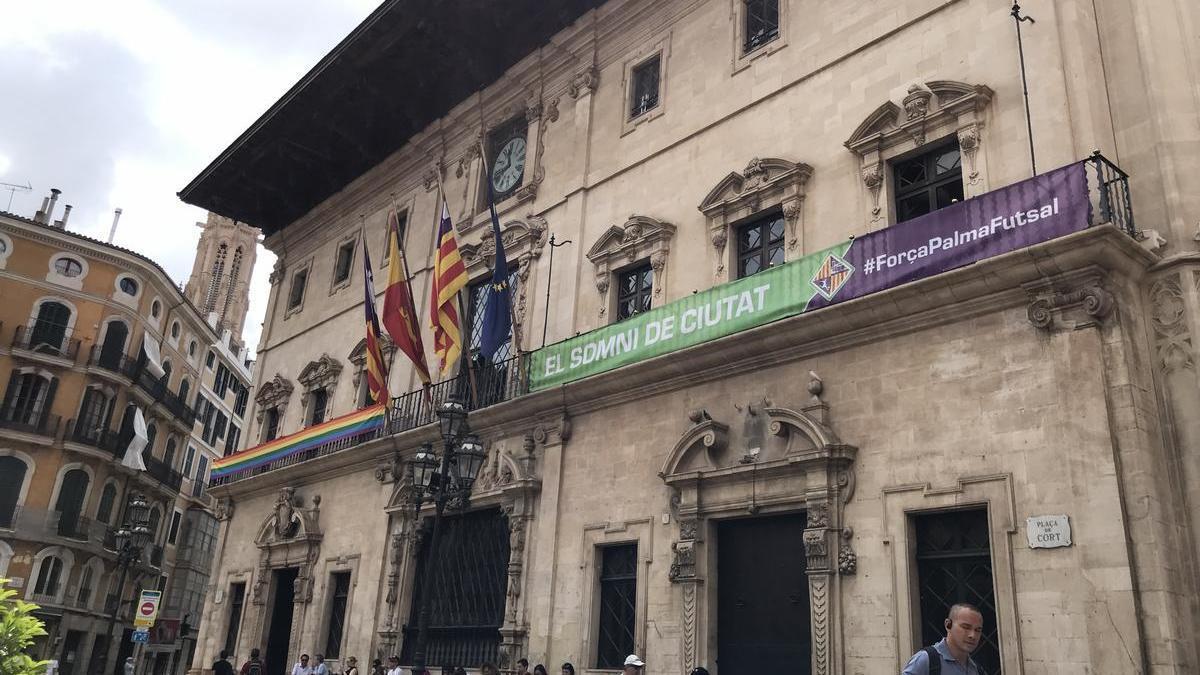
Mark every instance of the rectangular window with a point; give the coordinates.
(477, 306)
(187, 462)
(231, 441)
(201, 477)
(760, 245)
(270, 425)
(344, 262)
(296, 295)
(954, 564)
(237, 599)
(762, 23)
(339, 584)
(634, 288)
(222, 381)
(318, 400)
(644, 92)
(210, 359)
(173, 531)
(618, 605)
(928, 182)
(239, 403)
(388, 236)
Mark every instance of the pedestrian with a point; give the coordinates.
(129, 665)
(539, 669)
(255, 665)
(952, 654)
(568, 669)
(393, 665)
(302, 667)
(221, 666)
(633, 665)
(522, 666)
(351, 666)
(320, 668)
(377, 667)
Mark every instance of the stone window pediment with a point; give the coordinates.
(274, 394)
(358, 355)
(765, 183)
(523, 243)
(319, 374)
(638, 238)
(934, 111)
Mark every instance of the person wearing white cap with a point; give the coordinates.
(633, 665)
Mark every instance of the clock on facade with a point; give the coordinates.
(508, 166)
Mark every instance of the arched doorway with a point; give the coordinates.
(114, 345)
(12, 479)
(50, 328)
(71, 495)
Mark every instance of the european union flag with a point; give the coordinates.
(497, 312)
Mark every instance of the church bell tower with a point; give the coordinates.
(219, 285)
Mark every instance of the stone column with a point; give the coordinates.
(683, 574)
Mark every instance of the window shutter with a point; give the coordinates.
(49, 401)
(11, 391)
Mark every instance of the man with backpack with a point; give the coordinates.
(255, 665)
(952, 654)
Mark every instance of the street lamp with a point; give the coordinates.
(131, 539)
(442, 479)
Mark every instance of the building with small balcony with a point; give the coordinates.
(75, 368)
(820, 352)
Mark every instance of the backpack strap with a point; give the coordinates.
(935, 661)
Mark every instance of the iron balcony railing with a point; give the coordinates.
(163, 473)
(30, 521)
(79, 431)
(114, 363)
(156, 388)
(20, 418)
(488, 384)
(44, 342)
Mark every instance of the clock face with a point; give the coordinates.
(509, 166)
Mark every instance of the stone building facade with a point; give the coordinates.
(75, 315)
(806, 495)
(220, 279)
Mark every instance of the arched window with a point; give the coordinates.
(151, 435)
(87, 583)
(50, 327)
(72, 493)
(12, 479)
(166, 378)
(175, 330)
(28, 398)
(184, 388)
(234, 270)
(155, 521)
(49, 576)
(214, 284)
(128, 286)
(68, 267)
(155, 309)
(108, 498)
(114, 345)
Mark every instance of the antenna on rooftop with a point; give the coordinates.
(12, 190)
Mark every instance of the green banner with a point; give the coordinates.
(727, 309)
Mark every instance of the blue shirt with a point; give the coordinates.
(919, 663)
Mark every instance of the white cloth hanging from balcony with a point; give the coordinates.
(133, 454)
(153, 361)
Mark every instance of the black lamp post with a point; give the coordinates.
(442, 479)
(131, 539)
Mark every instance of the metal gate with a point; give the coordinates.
(762, 597)
(954, 564)
(466, 591)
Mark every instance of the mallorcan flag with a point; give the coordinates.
(399, 315)
(449, 277)
(376, 368)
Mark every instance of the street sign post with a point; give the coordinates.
(147, 610)
(140, 635)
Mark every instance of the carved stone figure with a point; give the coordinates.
(285, 514)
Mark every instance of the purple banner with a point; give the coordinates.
(1019, 215)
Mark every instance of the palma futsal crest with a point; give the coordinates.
(833, 273)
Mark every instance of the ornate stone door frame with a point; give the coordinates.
(802, 465)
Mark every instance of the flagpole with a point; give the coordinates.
(407, 282)
(463, 323)
(512, 311)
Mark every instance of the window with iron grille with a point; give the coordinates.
(318, 400)
(634, 288)
(270, 425)
(954, 564)
(237, 599)
(344, 262)
(643, 95)
(762, 23)
(618, 605)
(339, 583)
(760, 245)
(466, 590)
(928, 182)
(201, 477)
(402, 219)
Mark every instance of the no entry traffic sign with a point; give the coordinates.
(147, 608)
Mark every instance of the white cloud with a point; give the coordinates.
(123, 103)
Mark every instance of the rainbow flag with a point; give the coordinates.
(357, 422)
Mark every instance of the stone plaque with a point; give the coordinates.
(1048, 531)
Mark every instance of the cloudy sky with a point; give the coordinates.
(120, 104)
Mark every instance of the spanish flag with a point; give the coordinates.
(376, 368)
(449, 277)
(399, 315)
